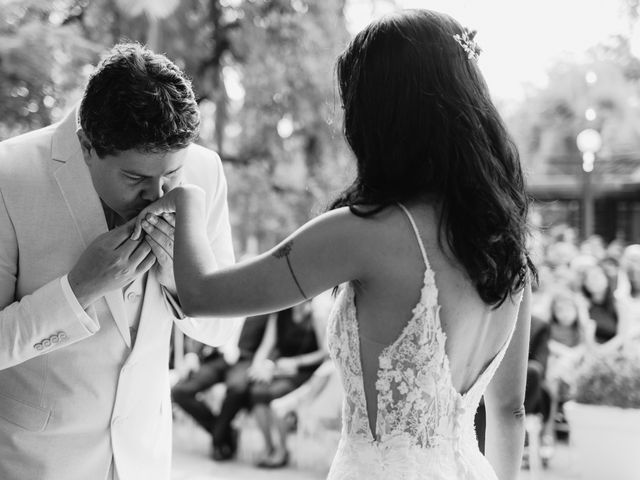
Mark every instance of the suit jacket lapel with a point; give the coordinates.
(152, 298)
(74, 180)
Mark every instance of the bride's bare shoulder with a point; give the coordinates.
(363, 220)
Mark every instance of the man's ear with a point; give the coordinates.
(85, 144)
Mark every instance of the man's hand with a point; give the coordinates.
(159, 236)
(110, 262)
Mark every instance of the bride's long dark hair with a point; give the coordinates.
(420, 121)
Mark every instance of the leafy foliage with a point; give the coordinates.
(41, 61)
(611, 378)
(262, 71)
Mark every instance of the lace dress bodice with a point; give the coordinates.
(424, 428)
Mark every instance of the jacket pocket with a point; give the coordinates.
(23, 415)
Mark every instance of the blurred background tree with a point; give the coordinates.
(600, 90)
(263, 72)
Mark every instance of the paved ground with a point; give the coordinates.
(561, 467)
(191, 462)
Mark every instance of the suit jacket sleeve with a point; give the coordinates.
(38, 323)
(210, 330)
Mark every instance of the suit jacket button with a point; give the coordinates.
(132, 296)
(38, 346)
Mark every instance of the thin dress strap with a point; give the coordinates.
(417, 232)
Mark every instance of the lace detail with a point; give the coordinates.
(413, 389)
(424, 427)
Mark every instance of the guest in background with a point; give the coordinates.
(218, 367)
(292, 349)
(537, 399)
(628, 292)
(572, 337)
(597, 289)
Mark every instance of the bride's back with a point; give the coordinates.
(419, 119)
(391, 289)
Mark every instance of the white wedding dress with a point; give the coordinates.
(424, 427)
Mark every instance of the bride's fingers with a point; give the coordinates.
(137, 228)
(160, 208)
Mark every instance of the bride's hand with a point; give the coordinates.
(168, 203)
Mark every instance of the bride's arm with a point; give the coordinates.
(323, 253)
(504, 400)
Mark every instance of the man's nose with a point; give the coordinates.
(155, 189)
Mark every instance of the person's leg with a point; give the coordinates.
(259, 398)
(236, 398)
(533, 389)
(274, 429)
(280, 437)
(185, 391)
(262, 414)
(274, 432)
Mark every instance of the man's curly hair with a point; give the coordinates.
(138, 100)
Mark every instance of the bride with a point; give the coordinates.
(428, 244)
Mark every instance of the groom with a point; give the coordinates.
(85, 313)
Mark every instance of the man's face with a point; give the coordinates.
(130, 180)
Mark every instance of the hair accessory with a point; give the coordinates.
(468, 44)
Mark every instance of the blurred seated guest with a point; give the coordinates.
(322, 393)
(611, 267)
(597, 289)
(542, 292)
(534, 401)
(537, 399)
(291, 350)
(571, 336)
(219, 365)
(315, 410)
(569, 323)
(561, 253)
(628, 292)
(594, 247)
(579, 265)
(563, 233)
(565, 277)
(615, 249)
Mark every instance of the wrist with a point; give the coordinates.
(190, 197)
(83, 294)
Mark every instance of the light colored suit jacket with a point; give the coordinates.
(73, 397)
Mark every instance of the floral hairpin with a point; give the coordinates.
(468, 44)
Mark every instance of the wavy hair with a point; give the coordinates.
(419, 118)
(138, 100)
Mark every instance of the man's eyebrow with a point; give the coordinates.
(136, 174)
(175, 169)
